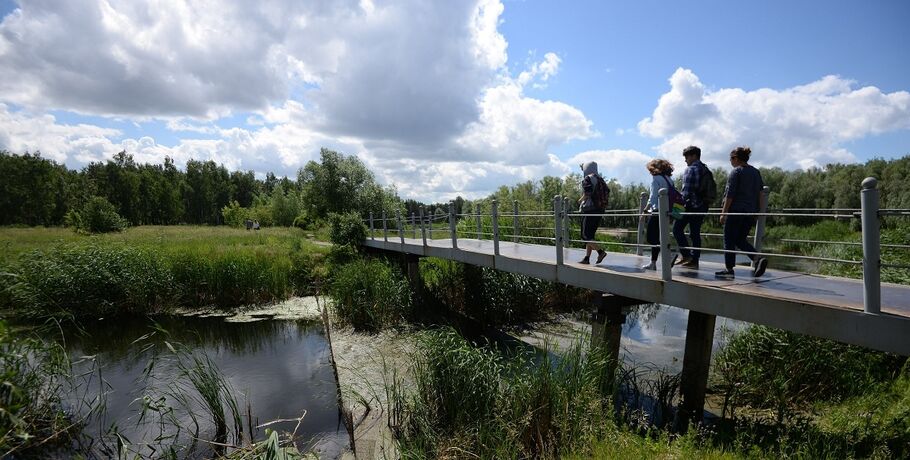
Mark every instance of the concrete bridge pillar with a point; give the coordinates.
(694, 378)
(606, 325)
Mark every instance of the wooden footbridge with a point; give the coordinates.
(863, 312)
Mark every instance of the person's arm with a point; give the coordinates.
(732, 183)
(723, 213)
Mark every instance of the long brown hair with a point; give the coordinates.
(660, 166)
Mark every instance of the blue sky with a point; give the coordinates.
(456, 98)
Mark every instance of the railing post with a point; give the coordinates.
(663, 216)
(557, 229)
(760, 225)
(385, 227)
(372, 235)
(430, 219)
(515, 221)
(423, 225)
(479, 220)
(452, 224)
(494, 213)
(872, 262)
(643, 202)
(566, 222)
(413, 225)
(400, 227)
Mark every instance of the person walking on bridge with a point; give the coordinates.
(595, 194)
(698, 189)
(660, 170)
(743, 196)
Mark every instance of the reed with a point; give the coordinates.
(370, 295)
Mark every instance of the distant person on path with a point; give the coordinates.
(256, 225)
(248, 223)
(593, 201)
(699, 190)
(743, 195)
(660, 170)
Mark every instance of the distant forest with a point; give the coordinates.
(38, 191)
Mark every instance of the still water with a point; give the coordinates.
(280, 370)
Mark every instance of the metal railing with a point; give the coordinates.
(559, 231)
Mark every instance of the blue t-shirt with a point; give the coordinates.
(744, 186)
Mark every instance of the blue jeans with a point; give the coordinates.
(736, 236)
(679, 232)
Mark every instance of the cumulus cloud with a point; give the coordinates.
(408, 85)
(626, 166)
(797, 127)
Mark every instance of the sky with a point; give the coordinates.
(448, 98)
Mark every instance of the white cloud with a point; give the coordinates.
(626, 166)
(798, 127)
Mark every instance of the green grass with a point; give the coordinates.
(150, 269)
(370, 294)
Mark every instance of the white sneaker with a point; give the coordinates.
(650, 266)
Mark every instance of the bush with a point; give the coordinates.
(234, 214)
(347, 229)
(370, 295)
(771, 368)
(97, 216)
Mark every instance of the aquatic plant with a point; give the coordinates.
(475, 401)
(370, 295)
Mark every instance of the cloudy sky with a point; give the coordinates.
(442, 98)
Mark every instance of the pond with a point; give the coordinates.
(278, 371)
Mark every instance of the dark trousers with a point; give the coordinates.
(679, 232)
(736, 236)
(653, 235)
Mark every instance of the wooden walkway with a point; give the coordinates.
(816, 305)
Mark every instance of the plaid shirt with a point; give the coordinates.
(690, 180)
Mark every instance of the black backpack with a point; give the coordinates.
(601, 193)
(707, 188)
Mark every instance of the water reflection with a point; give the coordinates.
(281, 368)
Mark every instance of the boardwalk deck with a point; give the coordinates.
(817, 305)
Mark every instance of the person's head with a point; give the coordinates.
(740, 156)
(691, 154)
(589, 168)
(659, 166)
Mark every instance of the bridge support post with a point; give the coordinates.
(606, 327)
(494, 214)
(452, 223)
(642, 202)
(515, 221)
(400, 226)
(663, 208)
(479, 220)
(557, 227)
(872, 262)
(697, 360)
(413, 271)
(423, 225)
(760, 225)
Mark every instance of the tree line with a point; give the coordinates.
(38, 191)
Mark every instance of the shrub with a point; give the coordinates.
(234, 214)
(97, 216)
(347, 229)
(776, 369)
(370, 295)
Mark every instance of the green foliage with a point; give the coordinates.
(771, 368)
(151, 269)
(469, 401)
(97, 216)
(235, 215)
(347, 229)
(370, 295)
(341, 184)
(34, 374)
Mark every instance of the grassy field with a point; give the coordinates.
(153, 268)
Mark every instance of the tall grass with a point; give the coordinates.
(473, 401)
(34, 376)
(152, 269)
(370, 295)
